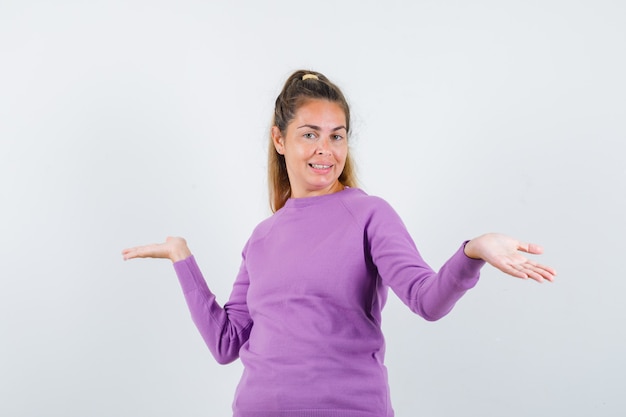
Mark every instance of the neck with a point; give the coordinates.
(337, 186)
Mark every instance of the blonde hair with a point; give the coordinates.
(299, 88)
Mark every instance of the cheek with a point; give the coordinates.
(302, 150)
(341, 153)
(296, 155)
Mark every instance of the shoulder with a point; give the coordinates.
(365, 207)
(379, 221)
(359, 197)
(264, 227)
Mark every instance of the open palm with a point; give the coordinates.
(174, 248)
(505, 253)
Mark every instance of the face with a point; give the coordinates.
(315, 146)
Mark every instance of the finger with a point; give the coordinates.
(539, 272)
(530, 248)
(515, 270)
(144, 251)
(534, 275)
(130, 250)
(130, 253)
(548, 269)
(136, 252)
(544, 270)
(527, 271)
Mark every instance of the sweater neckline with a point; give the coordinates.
(319, 199)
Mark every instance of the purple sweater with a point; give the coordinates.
(304, 314)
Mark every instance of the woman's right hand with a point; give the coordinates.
(174, 249)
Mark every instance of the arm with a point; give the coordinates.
(224, 330)
(427, 293)
(433, 294)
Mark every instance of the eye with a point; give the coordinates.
(337, 137)
(309, 135)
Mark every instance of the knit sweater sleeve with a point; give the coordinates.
(430, 294)
(224, 329)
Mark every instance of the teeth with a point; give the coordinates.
(316, 166)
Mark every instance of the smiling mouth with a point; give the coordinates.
(318, 166)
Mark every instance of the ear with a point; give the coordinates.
(277, 138)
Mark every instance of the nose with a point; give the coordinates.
(323, 146)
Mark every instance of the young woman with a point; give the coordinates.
(304, 315)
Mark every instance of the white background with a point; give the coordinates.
(123, 122)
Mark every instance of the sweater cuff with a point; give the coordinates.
(188, 273)
(468, 269)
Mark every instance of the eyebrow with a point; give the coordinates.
(318, 128)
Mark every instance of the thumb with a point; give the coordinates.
(530, 248)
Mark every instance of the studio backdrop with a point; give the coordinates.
(124, 122)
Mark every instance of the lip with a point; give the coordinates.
(321, 167)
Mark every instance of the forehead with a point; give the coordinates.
(320, 113)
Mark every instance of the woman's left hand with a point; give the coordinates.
(503, 252)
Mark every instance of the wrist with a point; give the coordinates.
(178, 250)
(470, 250)
(180, 255)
